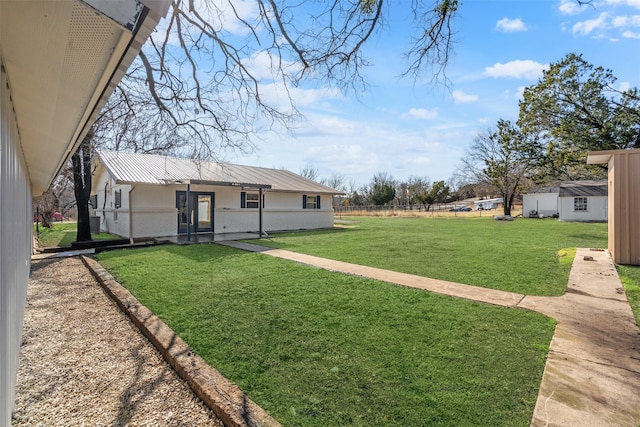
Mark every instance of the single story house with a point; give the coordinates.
(570, 201)
(146, 196)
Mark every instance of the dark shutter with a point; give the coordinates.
(317, 202)
(304, 201)
(243, 199)
(118, 201)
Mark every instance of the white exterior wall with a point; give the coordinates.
(545, 203)
(112, 220)
(154, 212)
(16, 228)
(597, 209)
(283, 211)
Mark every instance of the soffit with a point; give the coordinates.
(602, 157)
(63, 58)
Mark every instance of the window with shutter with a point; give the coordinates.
(310, 202)
(118, 197)
(249, 200)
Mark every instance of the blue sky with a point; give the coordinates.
(405, 127)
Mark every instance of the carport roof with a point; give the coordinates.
(136, 168)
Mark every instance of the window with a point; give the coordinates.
(250, 200)
(118, 201)
(580, 204)
(94, 201)
(310, 202)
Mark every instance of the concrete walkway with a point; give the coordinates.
(592, 373)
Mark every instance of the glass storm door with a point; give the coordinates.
(199, 218)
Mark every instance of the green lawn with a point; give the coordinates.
(63, 233)
(630, 276)
(316, 348)
(520, 256)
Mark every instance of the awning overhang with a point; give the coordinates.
(216, 183)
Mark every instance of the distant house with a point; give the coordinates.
(142, 196)
(570, 201)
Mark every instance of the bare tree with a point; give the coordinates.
(502, 157)
(220, 73)
(310, 172)
(338, 182)
(59, 199)
(82, 174)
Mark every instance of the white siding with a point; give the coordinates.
(597, 209)
(16, 224)
(545, 203)
(112, 220)
(154, 213)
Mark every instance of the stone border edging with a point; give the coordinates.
(224, 398)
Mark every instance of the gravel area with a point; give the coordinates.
(82, 362)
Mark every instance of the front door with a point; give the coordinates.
(199, 218)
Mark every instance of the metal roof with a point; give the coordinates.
(541, 190)
(133, 168)
(584, 188)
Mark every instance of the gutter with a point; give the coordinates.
(131, 214)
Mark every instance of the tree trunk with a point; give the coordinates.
(507, 202)
(81, 160)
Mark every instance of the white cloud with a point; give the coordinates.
(624, 86)
(217, 13)
(511, 25)
(420, 161)
(585, 28)
(631, 35)
(569, 7)
(263, 66)
(626, 21)
(518, 69)
(422, 114)
(630, 3)
(459, 97)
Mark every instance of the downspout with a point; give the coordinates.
(188, 212)
(260, 229)
(133, 187)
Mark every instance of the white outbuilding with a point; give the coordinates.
(141, 196)
(570, 201)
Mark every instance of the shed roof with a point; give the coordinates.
(601, 157)
(542, 190)
(584, 188)
(133, 168)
